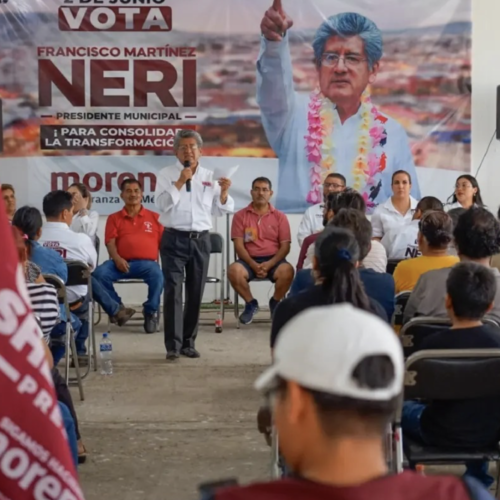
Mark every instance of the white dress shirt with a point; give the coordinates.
(386, 216)
(189, 211)
(71, 246)
(401, 242)
(311, 222)
(86, 224)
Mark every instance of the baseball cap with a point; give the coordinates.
(320, 348)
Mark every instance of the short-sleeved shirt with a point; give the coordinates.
(138, 237)
(385, 216)
(401, 242)
(261, 234)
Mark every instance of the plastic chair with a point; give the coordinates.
(418, 329)
(392, 264)
(448, 374)
(217, 248)
(69, 340)
(401, 300)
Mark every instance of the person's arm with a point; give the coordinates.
(243, 254)
(91, 252)
(110, 236)
(223, 203)
(275, 92)
(305, 227)
(168, 187)
(90, 222)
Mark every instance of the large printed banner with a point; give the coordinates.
(94, 91)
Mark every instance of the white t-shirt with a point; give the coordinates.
(401, 242)
(385, 216)
(311, 222)
(376, 258)
(71, 246)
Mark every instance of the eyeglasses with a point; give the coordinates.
(192, 147)
(261, 190)
(465, 185)
(332, 185)
(331, 60)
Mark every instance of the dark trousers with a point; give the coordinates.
(181, 255)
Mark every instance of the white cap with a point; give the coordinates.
(320, 348)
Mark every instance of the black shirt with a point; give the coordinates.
(455, 423)
(312, 297)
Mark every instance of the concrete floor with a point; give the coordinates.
(156, 430)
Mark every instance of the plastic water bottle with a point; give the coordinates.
(106, 354)
(218, 323)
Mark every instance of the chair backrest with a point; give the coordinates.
(400, 303)
(453, 374)
(391, 265)
(97, 244)
(58, 284)
(418, 329)
(78, 273)
(216, 243)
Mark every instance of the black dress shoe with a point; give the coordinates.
(173, 356)
(150, 323)
(190, 352)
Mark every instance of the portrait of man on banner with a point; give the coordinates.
(336, 127)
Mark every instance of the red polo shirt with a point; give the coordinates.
(137, 238)
(262, 234)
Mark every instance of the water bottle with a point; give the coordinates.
(106, 354)
(218, 323)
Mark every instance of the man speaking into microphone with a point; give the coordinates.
(187, 197)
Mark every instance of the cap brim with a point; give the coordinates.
(266, 381)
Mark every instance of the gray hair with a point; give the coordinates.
(187, 134)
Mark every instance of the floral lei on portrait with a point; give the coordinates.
(320, 148)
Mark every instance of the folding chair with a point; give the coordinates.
(392, 264)
(418, 329)
(448, 374)
(79, 273)
(69, 340)
(97, 308)
(401, 300)
(217, 247)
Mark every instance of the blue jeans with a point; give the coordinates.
(81, 336)
(107, 273)
(69, 426)
(302, 281)
(410, 423)
(58, 348)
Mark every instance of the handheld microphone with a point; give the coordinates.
(187, 164)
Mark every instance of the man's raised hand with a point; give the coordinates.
(275, 22)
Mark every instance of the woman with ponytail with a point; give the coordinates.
(335, 266)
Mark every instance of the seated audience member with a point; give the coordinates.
(333, 389)
(56, 234)
(477, 239)
(378, 286)
(401, 242)
(467, 194)
(45, 306)
(471, 424)
(84, 220)
(336, 259)
(29, 221)
(312, 221)
(398, 210)
(9, 198)
(261, 237)
(434, 236)
(133, 238)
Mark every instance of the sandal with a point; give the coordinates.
(82, 452)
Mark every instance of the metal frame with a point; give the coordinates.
(397, 436)
(214, 279)
(69, 340)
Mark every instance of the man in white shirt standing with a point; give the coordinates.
(312, 221)
(56, 234)
(187, 197)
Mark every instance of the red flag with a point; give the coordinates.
(35, 460)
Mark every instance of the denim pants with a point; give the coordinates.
(69, 426)
(58, 348)
(107, 273)
(81, 336)
(410, 423)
